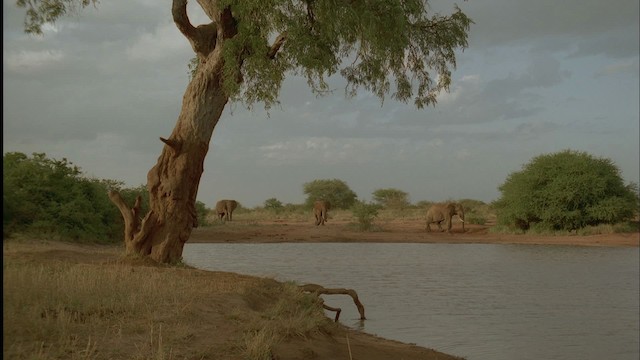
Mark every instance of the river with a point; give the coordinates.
(478, 301)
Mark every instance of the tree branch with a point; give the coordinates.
(320, 290)
(130, 216)
(277, 44)
(174, 145)
(180, 17)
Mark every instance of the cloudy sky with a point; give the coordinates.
(538, 77)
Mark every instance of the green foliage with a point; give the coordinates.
(394, 44)
(424, 204)
(337, 192)
(565, 191)
(391, 198)
(273, 204)
(365, 214)
(476, 211)
(394, 47)
(47, 196)
(193, 65)
(40, 12)
(201, 212)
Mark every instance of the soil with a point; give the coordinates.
(392, 231)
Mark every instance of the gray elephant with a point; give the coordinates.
(438, 213)
(320, 208)
(224, 209)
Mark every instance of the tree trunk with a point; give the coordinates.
(173, 182)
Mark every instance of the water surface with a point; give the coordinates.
(479, 301)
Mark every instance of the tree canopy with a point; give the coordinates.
(385, 47)
(565, 191)
(391, 198)
(336, 191)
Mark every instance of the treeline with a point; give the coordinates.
(42, 196)
(568, 190)
(563, 191)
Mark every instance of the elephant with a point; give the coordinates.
(438, 213)
(320, 208)
(224, 209)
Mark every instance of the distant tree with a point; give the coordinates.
(394, 47)
(565, 191)
(273, 204)
(391, 198)
(337, 192)
(424, 204)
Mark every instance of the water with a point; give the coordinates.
(473, 300)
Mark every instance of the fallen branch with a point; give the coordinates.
(320, 290)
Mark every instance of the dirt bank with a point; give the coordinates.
(394, 231)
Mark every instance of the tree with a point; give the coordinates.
(337, 192)
(273, 204)
(565, 191)
(243, 55)
(391, 198)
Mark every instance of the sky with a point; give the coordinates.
(538, 77)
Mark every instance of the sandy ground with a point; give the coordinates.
(394, 231)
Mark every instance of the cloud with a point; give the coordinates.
(331, 151)
(626, 67)
(164, 41)
(509, 23)
(26, 61)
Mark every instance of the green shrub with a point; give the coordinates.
(365, 214)
(43, 196)
(568, 190)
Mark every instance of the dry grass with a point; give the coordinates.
(115, 309)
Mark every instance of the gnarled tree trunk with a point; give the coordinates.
(173, 182)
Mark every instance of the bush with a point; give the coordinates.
(365, 214)
(565, 191)
(43, 196)
(47, 196)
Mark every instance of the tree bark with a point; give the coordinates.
(173, 182)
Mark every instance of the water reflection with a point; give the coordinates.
(474, 300)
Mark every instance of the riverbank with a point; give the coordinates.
(89, 302)
(388, 231)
